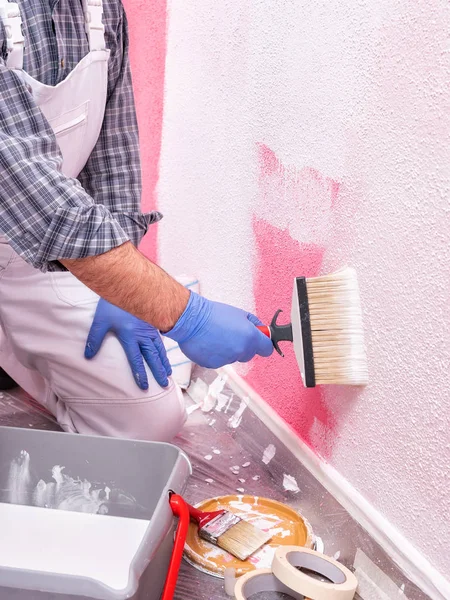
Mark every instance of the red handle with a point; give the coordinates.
(264, 329)
(180, 510)
(203, 518)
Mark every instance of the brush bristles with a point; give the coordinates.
(243, 539)
(337, 329)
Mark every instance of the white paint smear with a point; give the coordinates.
(245, 465)
(208, 457)
(192, 408)
(263, 558)
(227, 408)
(241, 490)
(198, 390)
(70, 543)
(319, 545)
(63, 492)
(280, 532)
(290, 484)
(214, 390)
(222, 401)
(236, 419)
(216, 451)
(269, 453)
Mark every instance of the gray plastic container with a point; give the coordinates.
(145, 471)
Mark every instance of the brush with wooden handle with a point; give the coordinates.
(326, 329)
(228, 531)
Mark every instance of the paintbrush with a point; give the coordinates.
(326, 329)
(228, 531)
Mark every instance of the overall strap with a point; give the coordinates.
(93, 13)
(12, 21)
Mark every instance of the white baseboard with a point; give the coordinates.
(415, 566)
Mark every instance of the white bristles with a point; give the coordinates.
(243, 539)
(337, 329)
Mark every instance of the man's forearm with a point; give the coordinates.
(124, 277)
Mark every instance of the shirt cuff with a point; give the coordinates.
(79, 232)
(136, 224)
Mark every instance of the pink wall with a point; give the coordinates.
(147, 24)
(297, 138)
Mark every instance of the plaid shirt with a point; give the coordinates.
(46, 216)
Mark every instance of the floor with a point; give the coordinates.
(230, 427)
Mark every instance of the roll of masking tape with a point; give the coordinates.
(298, 569)
(256, 583)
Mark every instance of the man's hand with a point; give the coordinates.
(209, 333)
(139, 340)
(213, 334)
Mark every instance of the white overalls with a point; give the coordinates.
(45, 317)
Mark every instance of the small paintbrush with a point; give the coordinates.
(228, 531)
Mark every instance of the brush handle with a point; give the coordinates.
(203, 518)
(265, 330)
(277, 333)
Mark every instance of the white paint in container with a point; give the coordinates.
(70, 543)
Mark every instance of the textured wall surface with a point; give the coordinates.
(299, 137)
(147, 27)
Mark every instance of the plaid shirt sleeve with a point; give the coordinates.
(112, 174)
(46, 216)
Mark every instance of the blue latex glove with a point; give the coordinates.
(212, 334)
(140, 341)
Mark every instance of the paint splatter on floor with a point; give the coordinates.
(236, 419)
(290, 484)
(269, 453)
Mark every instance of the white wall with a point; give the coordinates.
(324, 127)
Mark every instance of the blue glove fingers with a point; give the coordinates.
(136, 362)
(264, 345)
(253, 319)
(159, 345)
(97, 334)
(152, 358)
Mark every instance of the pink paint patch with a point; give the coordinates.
(147, 23)
(280, 259)
(303, 198)
(271, 165)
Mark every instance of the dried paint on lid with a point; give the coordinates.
(287, 526)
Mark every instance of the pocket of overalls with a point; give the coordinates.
(69, 129)
(70, 290)
(70, 119)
